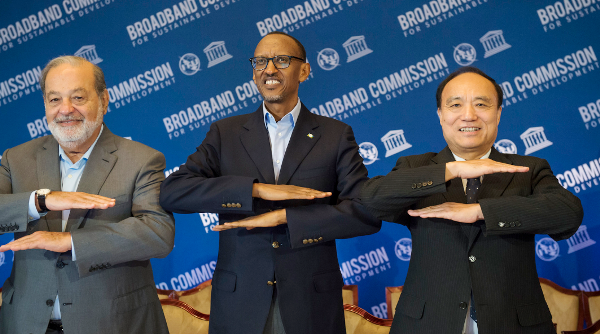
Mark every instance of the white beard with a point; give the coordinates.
(76, 135)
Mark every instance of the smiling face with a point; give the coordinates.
(279, 86)
(469, 115)
(73, 108)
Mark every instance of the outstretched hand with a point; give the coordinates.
(475, 168)
(269, 219)
(53, 241)
(462, 213)
(275, 192)
(65, 200)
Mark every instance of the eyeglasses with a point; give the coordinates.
(260, 63)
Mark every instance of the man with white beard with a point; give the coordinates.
(83, 207)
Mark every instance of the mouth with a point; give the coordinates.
(469, 129)
(271, 83)
(68, 122)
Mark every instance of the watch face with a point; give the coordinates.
(43, 192)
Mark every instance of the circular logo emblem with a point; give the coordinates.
(464, 54)
(403, 249)
(189, 64)
(547, 249)
(328, 59)
(368, 152)
(506, 146)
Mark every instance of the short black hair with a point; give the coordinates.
(463, 70)
(300, 46)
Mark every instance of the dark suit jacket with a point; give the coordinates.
(235, 154)
(109, 288)
(502, 272)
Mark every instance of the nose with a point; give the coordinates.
(469, 113)
(270, 69)
(66, 107)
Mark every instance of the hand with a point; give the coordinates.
(269, 219)
(475, 168)
(53, 241)
(462, 213)
(64, 200)
(274, 192)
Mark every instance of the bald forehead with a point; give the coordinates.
(474, 82)
(282, 43)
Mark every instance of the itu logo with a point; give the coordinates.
(328, 59)
(464, 54)
(547, 249)
(506, 146)
(403, 249)
(189, 64)
(368, 152)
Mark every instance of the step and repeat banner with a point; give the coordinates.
(174, 67)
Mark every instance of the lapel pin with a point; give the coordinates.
(310, 135)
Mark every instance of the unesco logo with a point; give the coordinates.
(189, 64)
(368, 152)
(464, 54)
(403, 249)
(328, 59)
(506, 146)
(547, 249)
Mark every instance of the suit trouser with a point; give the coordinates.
(274, 323)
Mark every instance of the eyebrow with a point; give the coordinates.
(76, 90)
(482, 98)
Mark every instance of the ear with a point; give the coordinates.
(304, 72)
(499, 113)
(105, 100)
(439, 112)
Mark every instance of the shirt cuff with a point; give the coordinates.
(73, 257)
(32, 212)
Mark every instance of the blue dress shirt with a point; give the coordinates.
(280, 134)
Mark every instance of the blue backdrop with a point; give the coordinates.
(173, 67)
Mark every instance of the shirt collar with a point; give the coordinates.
(485, 156)
(294, 118)
(85, 157)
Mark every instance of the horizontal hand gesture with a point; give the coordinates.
(269, 219)
(64, 200)
(275, 192)
(462, 213)
(475, 168)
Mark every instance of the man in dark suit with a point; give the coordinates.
(83, 207)
(473, 214)
(261, 168)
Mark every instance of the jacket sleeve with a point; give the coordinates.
(348, 217)
(549, 209)
(389, 197)
(13, 207)
(199, 186)
(148, 233)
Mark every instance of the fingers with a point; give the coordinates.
(462, 213)
(58, 201)
(52, 241)
(274, 192)
(476, 168)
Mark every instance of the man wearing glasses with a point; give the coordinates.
(277, 270)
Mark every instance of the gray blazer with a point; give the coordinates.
(110, 287)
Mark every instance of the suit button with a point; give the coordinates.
(512, 224)
(270, 283)
(430, 182)
(275, 244)
(501, 224)
(310, 241)
(518, 223)
(108, 265)
(419, 185)
(472, 258)
(463, 305)
(224, 205)
(60, 264)
(305, 241)
(50, 302)
(320, 238)
(228, 205)
(414, 185)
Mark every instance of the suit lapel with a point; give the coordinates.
(256, 143)
(493, 185)
(48, 171)
(97, 169)
(455, 192)
(300, 144)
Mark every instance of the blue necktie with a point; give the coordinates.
(473, 186)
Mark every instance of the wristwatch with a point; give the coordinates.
(41, 197)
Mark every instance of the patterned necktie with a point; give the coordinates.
(473, 186)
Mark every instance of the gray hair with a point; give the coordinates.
(99, 83)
